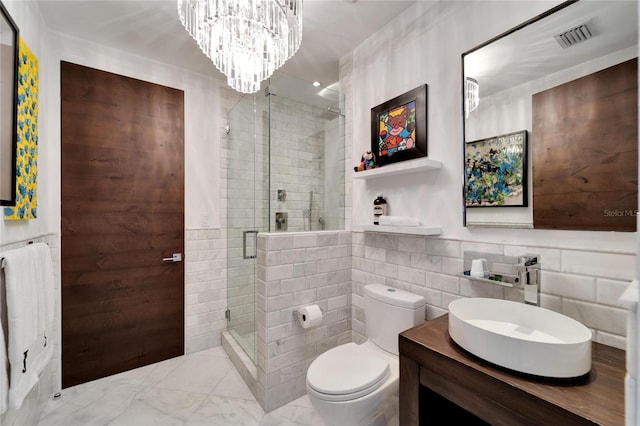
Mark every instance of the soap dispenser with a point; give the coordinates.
(379, 209)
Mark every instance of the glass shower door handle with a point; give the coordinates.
(255, 244)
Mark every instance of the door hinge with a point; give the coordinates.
(227, 315)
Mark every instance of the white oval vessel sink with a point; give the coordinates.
(524, 338)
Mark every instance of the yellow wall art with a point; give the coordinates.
(27, 147)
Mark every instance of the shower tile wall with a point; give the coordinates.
(294, 270)
(297, 163)
(584, 285)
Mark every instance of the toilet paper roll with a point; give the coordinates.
(310, 316)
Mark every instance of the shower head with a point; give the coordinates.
(331, 113)
(335, 110)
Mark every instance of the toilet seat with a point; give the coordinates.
(347, 372)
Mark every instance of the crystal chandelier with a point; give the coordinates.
(247, 40)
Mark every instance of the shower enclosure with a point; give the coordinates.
(285, 173)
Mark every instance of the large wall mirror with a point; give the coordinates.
(551, 121)
(8, 107)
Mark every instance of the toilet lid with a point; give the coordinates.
(346, 369)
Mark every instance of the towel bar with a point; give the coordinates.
(2, 258)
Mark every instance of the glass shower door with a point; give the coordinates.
(285, 167)
(307, 156)
(244, 180)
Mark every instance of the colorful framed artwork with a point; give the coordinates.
(8, 107)
(399, 127)
(496, 171)
(26, 183)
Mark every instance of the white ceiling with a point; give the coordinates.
(331, 28)
(532, 52)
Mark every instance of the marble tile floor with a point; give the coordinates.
(198, 389)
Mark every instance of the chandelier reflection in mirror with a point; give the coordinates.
(472, 95)
(247, 40)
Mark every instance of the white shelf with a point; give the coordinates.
(409, 230)
(487, 280)
(410, 166)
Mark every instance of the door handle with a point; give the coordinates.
(177, 257)
(244, 245)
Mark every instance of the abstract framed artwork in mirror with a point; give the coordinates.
(569, 78)
(8, 106)
(495, 171)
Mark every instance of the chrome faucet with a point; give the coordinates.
(528, 269)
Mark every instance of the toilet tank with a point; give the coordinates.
(388, 312)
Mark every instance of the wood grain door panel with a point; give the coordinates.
(585, 152)
(122, 213)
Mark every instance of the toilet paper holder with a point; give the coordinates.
(296, 313)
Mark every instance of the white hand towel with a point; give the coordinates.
(41, 258)
(22, 322)
(398, 221)
(42, 264)
(384, 220)
(40, 354)
(36, 267)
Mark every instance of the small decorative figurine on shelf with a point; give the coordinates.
(367, 162)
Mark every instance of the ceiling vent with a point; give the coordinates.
(574, 36)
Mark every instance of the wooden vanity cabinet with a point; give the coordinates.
(430, 360)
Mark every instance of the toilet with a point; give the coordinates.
(349, 384)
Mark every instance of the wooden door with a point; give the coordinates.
(585, 152)
(122, 213)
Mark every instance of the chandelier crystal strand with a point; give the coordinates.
(472, 95)
(247, 40)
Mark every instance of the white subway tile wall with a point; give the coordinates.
(606, 265)
(584, 285)
(285, 349)
(205, 288)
